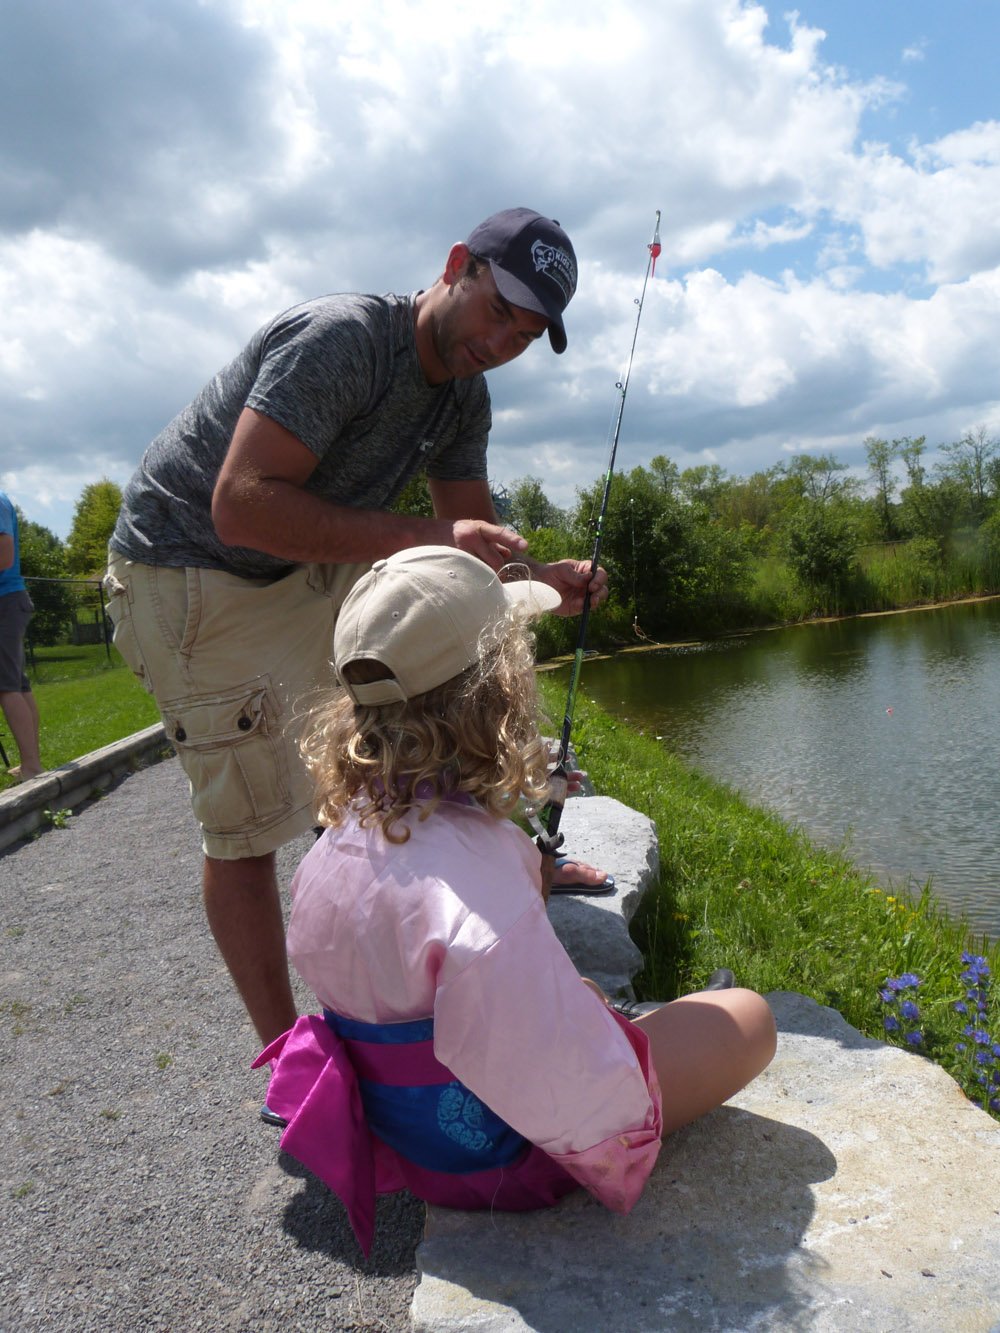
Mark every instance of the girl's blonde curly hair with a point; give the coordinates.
(477, 733)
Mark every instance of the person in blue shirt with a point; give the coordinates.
(16, 698)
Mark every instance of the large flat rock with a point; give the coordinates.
(851, 1187)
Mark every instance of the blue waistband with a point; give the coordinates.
(383, 1034)
(440, 1126)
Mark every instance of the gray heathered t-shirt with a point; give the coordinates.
(341, 373)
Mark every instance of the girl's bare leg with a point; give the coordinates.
(705, 1047)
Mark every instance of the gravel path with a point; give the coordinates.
(139, 1189)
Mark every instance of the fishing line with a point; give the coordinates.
(549, 838)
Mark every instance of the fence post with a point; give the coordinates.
(104, 621)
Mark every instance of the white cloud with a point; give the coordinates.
(171, 176)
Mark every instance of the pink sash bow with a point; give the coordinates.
(315, 1088)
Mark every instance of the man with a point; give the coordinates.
(16, 698)
(253, 513)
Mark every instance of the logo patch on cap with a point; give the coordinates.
(556, 264)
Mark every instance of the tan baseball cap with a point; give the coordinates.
(421, 614)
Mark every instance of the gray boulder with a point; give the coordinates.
(852, 1186)
(594, 930)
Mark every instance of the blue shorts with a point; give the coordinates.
(16, 610)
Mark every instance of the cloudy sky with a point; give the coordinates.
(174, 172)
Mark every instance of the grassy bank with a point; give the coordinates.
(84, 701)
(739, 888)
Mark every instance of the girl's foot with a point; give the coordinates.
(572, 876)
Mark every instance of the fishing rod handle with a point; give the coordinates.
(558, 789)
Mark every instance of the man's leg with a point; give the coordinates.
(258, 649)
(21, 713)
(244, 913)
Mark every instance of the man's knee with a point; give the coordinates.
(241, 873)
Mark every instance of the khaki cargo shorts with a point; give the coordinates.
(234, 665)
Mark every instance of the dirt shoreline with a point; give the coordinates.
(600, 655)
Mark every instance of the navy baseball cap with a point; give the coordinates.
(533, 264)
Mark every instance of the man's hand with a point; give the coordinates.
(572, 579)
(489, 542)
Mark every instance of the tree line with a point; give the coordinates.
(699, 552)
(58, 571)
(695, 551)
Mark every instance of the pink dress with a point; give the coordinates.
(453, 1017)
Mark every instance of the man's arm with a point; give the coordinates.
(259, 502)
(462, 499)
(6, 550)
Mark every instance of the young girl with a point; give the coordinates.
(459, 1054)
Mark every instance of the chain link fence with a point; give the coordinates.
(66, 608)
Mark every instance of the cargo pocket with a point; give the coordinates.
(122, 629)
(232, 750)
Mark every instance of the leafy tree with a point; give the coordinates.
(670, 568)
(821, 545)
(750, 503)
(989, 537)
(926, 509)
(969, 467)
(704, 485)
(817, 479)
(93, 522)
(881, 456)
(43, 557)
(530, 508)
(415, 498)
(665, 473)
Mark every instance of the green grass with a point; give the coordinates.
(84, 702)
(739, 888)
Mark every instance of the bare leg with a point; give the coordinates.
(706, 1047)
(21, 713)
(244, 913)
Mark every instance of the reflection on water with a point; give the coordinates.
(883, 730)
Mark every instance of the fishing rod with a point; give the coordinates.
(549, 838)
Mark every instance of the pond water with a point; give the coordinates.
(879, 733)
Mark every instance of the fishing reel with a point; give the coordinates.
(545, 823)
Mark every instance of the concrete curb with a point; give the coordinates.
(22, 809)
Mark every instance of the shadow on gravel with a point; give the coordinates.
(317, 1220)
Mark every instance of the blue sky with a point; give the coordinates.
(174, 173)
(940, 54)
